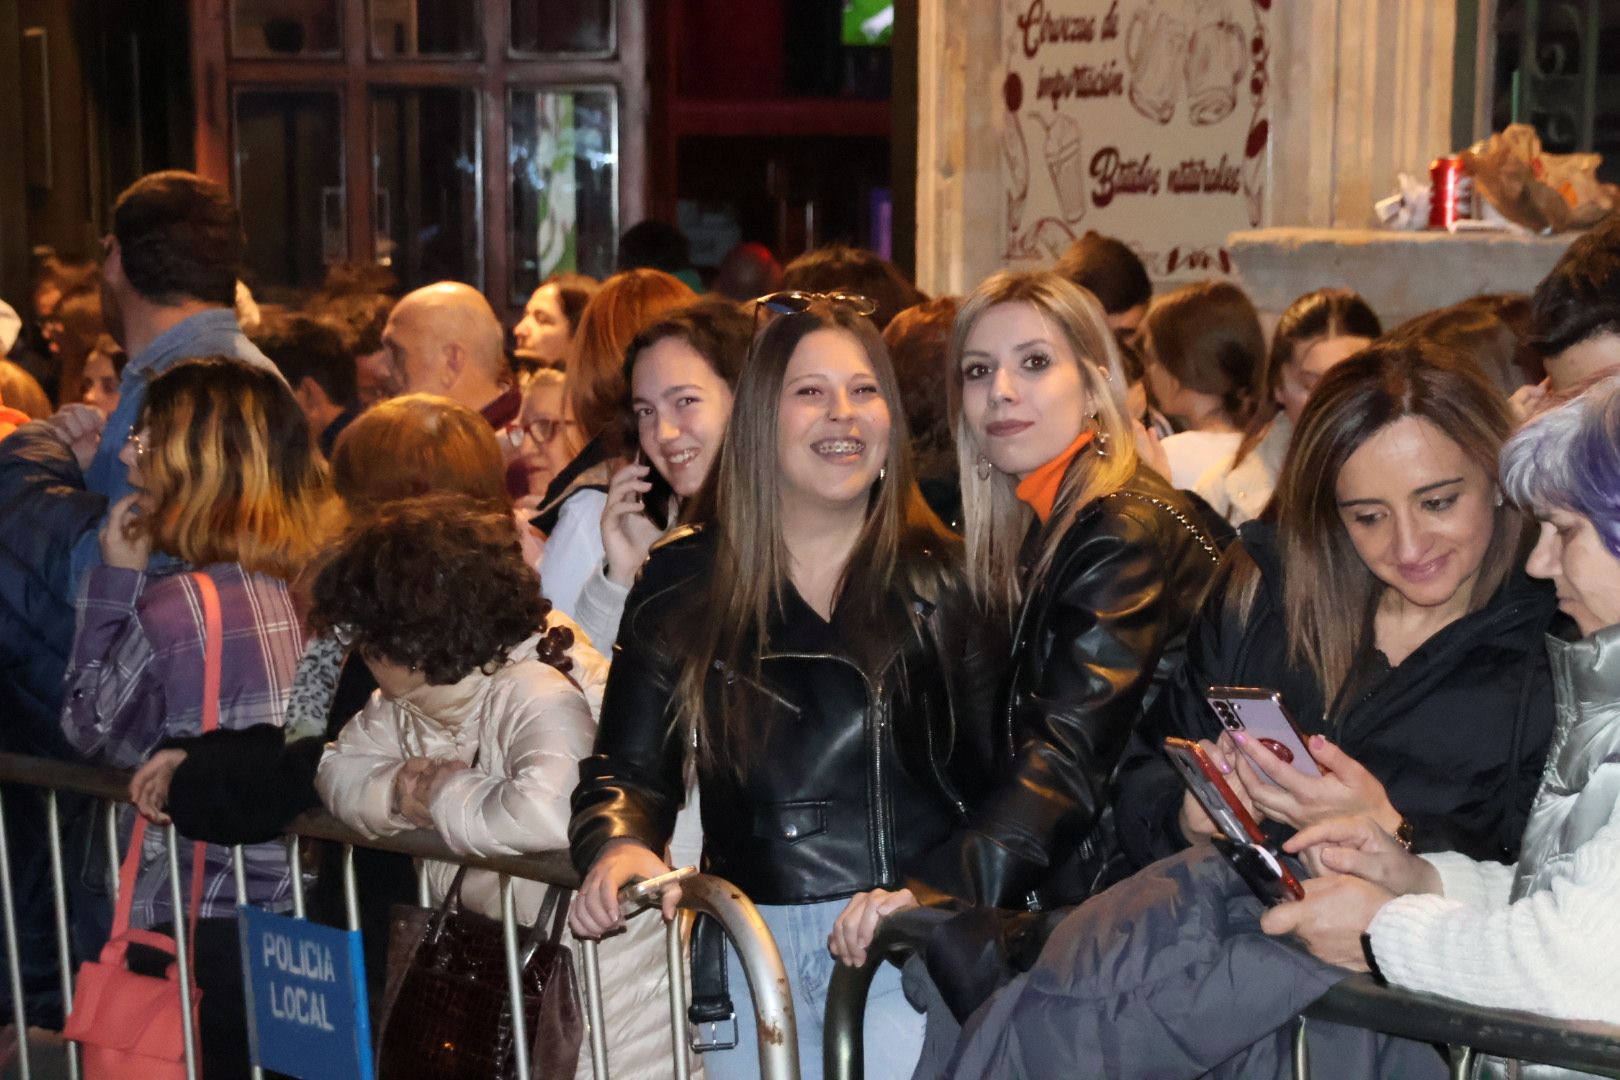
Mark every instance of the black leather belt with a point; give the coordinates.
(712, 1017)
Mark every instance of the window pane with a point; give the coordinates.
(564, 148)
(289, 184)
(563, 26)
(428, 189)
(433, 28)
(278, 28)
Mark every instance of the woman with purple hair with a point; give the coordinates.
(1539, 936)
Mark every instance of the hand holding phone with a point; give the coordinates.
(1240, 841)
(1259, 715)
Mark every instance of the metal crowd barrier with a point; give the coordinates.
(767, 979)
(1360, 1001)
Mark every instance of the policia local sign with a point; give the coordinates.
(1142, 119)
(306, 997)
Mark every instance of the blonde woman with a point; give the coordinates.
(226, 482)
(1090, 562)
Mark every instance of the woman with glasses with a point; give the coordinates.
(803, 653)
(541, 434)
(1090, 562)
(571, 510)
(135, 678)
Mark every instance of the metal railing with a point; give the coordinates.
(756, 949)
(1359, 1001)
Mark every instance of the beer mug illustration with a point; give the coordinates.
(1215, 61)
(1067, 166)
(1155, 42)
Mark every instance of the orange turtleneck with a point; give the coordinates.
(1040, 488)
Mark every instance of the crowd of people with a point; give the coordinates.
(859, 599)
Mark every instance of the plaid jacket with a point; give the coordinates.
(135, 679)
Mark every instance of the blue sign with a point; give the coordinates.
(306, 997)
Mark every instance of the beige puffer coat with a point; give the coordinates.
(523, 729)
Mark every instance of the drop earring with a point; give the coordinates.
(883, 473)
(1101, 436)
(982, 468)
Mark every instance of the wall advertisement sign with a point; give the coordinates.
(1142, 119)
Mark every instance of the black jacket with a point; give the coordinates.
(1099, 636)
(1457, 733)
(870, 750)
(44, 510)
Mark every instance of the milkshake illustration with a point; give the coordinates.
(1066, 164)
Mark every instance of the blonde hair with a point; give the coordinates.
(230, 471)
(995, 520)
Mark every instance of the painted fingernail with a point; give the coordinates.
(1240, 738)
(1225, 768)
(1317, 741)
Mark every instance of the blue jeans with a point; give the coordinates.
(893, 1030)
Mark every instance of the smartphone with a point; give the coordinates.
(1240, 841)
(655, 503)
(1261, 716)
(647, 891)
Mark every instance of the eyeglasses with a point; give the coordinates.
(541, 431)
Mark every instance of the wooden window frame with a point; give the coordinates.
(493, 76)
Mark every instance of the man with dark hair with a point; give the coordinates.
(1113, 273)
(1575, 312)
(320, 370)
(168, 293)
(841, 268)
(658, 245)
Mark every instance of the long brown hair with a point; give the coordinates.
(1324, 313)
(995, 520)
(618, 311)
(1329, 594)
(1208, 336)
(740, 501)
(230, 471)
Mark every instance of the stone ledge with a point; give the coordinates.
(1400, 274)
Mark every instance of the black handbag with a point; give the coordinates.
(445, 1006)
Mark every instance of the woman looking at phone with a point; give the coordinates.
(682, 371)
(1389, 607)
(1540, 936)
(801, 652)
(1091, 562)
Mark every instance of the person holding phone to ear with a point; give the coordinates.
(1388, 606)
(681, 373)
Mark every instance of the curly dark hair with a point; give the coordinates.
(179, 237)
(438, 584)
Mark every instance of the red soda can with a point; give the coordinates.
(1451, 193)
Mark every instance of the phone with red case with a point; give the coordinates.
(1261, 715)
(1240, 841)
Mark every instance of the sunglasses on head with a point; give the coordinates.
(792, 302)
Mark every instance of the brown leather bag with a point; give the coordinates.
(445, 1011)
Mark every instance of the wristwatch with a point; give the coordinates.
(1405, 834)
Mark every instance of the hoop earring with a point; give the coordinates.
(982, 468)
(1101, 436)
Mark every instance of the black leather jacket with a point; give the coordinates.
(863, 765)
(1098, 637)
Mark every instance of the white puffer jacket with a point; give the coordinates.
(523, 729)
(1540, 937)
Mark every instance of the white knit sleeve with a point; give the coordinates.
(1471, 882)
(1553, 952)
